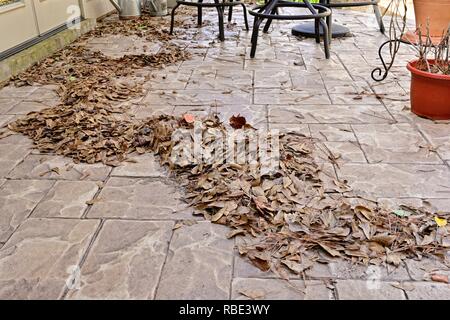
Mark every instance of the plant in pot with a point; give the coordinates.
(430, 73)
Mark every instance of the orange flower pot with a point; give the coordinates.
(430, 93)
(437, 12)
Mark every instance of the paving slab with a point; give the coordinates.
(329, 114)
(428, 291)
(367, 290)
(68, 199)
(125, 261)
(16, 92)
(278, 289)
(145, 165)
(397, 180)
(18, 198)
(395, 143)
(291, 97)
(36, 166)
(41, 259)
(140, 198)
(199, 264)
(438, 134)
(10, 156)
(332, 132)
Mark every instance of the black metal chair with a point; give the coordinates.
(220, 7)
(269, 11)
(373, 3)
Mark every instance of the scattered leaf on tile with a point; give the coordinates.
(439, 278)
(253, 293)
(237, 122)
(441, 222)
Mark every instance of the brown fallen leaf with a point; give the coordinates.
(439, 278)
(237, 122)
(253, 293)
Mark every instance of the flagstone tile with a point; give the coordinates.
(143, 111)
(306, 79)
(291, 97)
(198, 97)
(395, 143)
(428, 291)
(342, 151)
(397, 180)
(199, 264)
(278, 289)
(332, 132)
(255, 115)
(272, 79)
(25, 107)
(5, 119)
(7, 104)
(125, 261)
(431, 205)
(367, 290)
(145, 165)
(354, 98)
(12, 138)
(45, 93)
(41, 259)
(51, 167)
(18, 198)
(10, 156)
(439, 136)
(291, 128)
(66, 199)
(16, 92)
(140, 198)
(199, 111)
(328, 114)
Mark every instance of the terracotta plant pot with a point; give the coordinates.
(437, 12)
(430, 93)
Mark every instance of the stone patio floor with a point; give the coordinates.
(117, 224)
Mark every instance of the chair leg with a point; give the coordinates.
(269, 21)
(317, 29)
(376, 9)
(326, 38)
(221, 27)
(172, 19)
(230, 12)
(256, 24)
(199, 14)
(245, 17)
(329, 22)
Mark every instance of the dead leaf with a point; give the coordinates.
(237, 122)
(439, 278)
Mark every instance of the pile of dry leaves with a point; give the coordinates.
(88, 125)
(287, 213)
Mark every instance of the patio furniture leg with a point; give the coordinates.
(172, 20)
(245, 16)
(376, 9)
(256, 24)
(269, 21)
(317, 29)
(326, 38)
(329, 21)
(230, 12)
(221, 27)
(199, 14)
